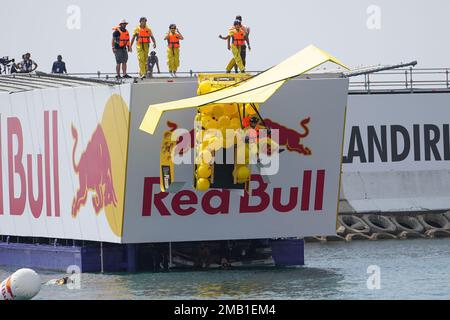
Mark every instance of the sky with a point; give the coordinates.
(358, 32)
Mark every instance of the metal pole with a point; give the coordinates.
(411, 77)
(406, 79)
(170, 255)
(446, 77)
(101, 257)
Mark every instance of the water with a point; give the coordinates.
(410, 269)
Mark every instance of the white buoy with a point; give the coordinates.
(23, 284)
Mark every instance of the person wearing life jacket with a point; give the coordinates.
(238, 37)
(244, 47)
(252, 122)
(173, 38)
(144, 36)
(121, 46)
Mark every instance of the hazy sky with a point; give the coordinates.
(355, 31)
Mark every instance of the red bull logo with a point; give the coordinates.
(101, 165)
(289, 138)
(94, 173)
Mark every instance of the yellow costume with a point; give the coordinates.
(238, 41)
(173, 51)
(142, 47)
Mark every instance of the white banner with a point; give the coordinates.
(62, 165)
(397, 132)
(300, 200)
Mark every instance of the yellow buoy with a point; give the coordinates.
(204, 87)
(205, 120)
(229, 109)
(205, 156)
(243, 173)
(212, 124)
(224, 122)
(203, 184)
(206, 110)
(217, 111)
(235, 123)
(215, 143)
(249, 110)
(204, 171)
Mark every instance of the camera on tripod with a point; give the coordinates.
(6, 61)
(7, 65)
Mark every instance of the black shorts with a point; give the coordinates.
(121, 56)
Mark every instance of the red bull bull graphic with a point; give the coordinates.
(101, 166)
(289, 138)
(94, 173)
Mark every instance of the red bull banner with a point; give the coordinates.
(299, 198)
(63, 162)
(74, 165)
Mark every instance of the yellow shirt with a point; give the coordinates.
(136, 33)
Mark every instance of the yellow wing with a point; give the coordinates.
(255, 90)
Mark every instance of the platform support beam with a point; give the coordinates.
(131, 258)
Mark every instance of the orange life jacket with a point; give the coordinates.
(238, 38)
(173, 40)
(144, 35)
(124, 39)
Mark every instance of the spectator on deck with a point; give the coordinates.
(27, 65)
(59, 66)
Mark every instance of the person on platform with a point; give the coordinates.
(243, 47)
(238, 38)
(173, 38)
(27, 65)
(120, 47)
(144, 36)
(59, 66)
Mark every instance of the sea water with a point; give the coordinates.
(383, 269)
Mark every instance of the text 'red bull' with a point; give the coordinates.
(94, 173)
(185, 202)
(20, 176)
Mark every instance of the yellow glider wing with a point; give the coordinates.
(254, 90)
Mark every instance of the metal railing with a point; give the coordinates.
(397, 80)
(401, 80)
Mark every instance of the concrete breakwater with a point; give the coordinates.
(379, 226)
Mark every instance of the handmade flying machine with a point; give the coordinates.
(228, 103)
